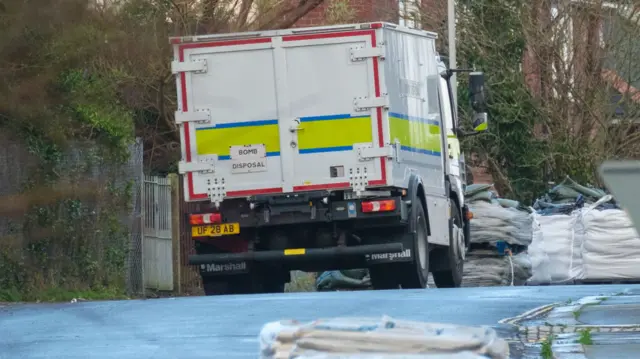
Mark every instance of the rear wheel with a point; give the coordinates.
(413, 274)
(260, 278)
(242, 284)
(384, 277)
(455, 254)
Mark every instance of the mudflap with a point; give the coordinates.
(224, 269)
(406, 255)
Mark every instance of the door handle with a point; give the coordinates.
(295, 126)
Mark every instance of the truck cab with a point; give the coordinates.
(321, 148)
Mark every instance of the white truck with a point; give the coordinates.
(322, 148)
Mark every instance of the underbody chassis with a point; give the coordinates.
(310, 231)
(250, 245)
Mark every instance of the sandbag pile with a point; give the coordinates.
(368, 338)
(585, 236)
(486, 268)
(497, 220)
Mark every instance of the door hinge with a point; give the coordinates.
(367, 152)
(197, 116)
(199, 167)
(198, 66)
(361, 53)
(366, 103)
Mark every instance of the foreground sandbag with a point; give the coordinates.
(461, 355)
(368, 338)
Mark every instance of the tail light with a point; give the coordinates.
(379, 206)
(205, 218)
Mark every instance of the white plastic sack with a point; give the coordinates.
(366, 338)
(611, 245)
(538, 255)
(563, 245)
(461, 355)
(492, 223)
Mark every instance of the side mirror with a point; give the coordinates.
(478, 101)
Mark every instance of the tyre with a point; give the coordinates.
(384, 277)
(455, 254)
(415, 274)
(223, 286)
(241, 284)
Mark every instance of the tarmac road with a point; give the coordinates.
(227, 326)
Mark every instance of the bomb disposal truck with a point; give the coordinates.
(322, 148)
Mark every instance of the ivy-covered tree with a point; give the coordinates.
(560, 82)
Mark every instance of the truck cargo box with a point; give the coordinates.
(330, 108)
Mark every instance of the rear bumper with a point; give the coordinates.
(306, 208)
(292, 254)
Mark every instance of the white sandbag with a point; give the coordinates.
(492, 223)
(538, 255)
(368, 338)
(563, 245)
(611, 245)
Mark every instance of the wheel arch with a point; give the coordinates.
(417, 194)
(455, 193)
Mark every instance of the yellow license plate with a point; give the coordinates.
(215, 230)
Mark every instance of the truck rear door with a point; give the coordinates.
(282, 113)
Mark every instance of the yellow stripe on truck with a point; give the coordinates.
(333, 133)
(217, 140)
(416, 134)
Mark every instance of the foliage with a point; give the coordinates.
(78, 81)
(585, 337)
(551, 110)
(515, 156)
(67, 236)
(546, 350)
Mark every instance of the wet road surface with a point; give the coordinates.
(227, 326)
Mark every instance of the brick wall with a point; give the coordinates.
(434, 13)
(363, 11)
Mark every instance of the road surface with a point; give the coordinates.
(227, 327)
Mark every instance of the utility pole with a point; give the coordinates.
(451, 24)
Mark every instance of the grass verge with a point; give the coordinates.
(61, 295)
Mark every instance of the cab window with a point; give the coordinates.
(446, 105)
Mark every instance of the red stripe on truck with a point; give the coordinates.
(315, 187)
(254, 192)
(376, 83)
